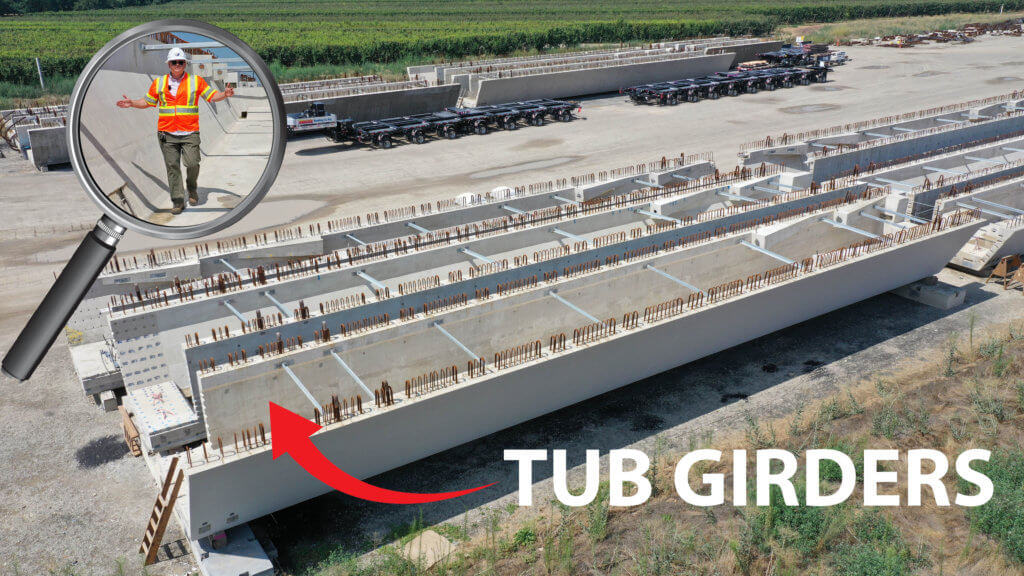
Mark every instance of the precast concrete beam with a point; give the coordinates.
(876, 135)
(819, 145)
(883, 220)
(989, 160)
(352, 373)
(569, 235)
(944, 170)
(913, 219)
(301, 386)
(949, 120)
(373, 281)
(902, 129)
(1012, 149)
(657, 216)
(969, 115)
(152, 47)
(647, 184)
(233, 310)
(354, 239)
(772, 191)
(565, 200)
(853, 229)
(895, 183)
(998, 205)
(739, 197)
(985, 211)
(476, 255)
(465, 349)
(513, 210)
(277, 304)
(767, 252)
(683, 178)
(682, 283)
(574, 307)
(228, 265)
(417, 227)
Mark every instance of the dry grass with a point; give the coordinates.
(872, 27)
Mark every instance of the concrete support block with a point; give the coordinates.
(108, 400)
(931, 293)
(241, 554)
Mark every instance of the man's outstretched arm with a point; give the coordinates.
(127, 102)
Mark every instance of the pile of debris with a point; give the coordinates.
(965, 35)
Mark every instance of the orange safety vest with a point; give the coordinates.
(178, 112)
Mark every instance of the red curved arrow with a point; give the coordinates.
(290, 434)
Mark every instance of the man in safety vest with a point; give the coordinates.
(176, 96)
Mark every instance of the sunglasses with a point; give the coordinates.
(177, 62)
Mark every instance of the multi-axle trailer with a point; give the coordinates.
(449, 123)
(721, 84)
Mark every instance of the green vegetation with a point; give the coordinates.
(354, 33)
(1003, 516)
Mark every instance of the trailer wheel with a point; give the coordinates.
(385, 142)
(418, 137)
(693, 97)
(714, 95)
(823, 78)
(787, 84)
(804, 81)
(451, 133)
(536, 120)
(752, 90)
(770, 86)
(511, 125)
(565, 116)
(480, 129)
(732, 92)
(672, 101)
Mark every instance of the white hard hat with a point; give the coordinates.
(176, 54)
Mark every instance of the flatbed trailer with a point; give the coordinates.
(448, 123)
(732, 83)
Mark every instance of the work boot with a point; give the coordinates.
(178, 208)
(193, 198)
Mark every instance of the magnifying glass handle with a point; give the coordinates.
(53, 313)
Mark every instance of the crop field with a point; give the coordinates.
(356, 32)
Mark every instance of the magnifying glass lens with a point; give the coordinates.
(176, 129)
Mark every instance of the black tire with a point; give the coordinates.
(752, 90)
(770, 86)
(451, 134)
(565, 116)
(385, 142)
(418, 138)
(537, 121)
(714, 95)
(734, 92)
(672, 101)
(480, 129)
(787, 84)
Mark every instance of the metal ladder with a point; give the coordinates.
(161, 513)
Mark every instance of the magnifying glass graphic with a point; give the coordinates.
(176, 130)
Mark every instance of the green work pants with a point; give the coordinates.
(175, 150)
